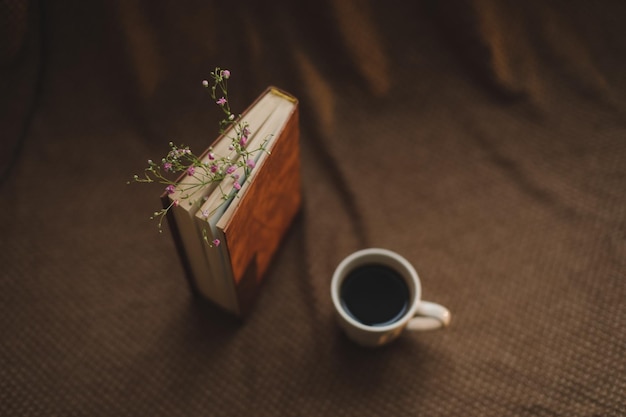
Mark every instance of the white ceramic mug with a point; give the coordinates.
(419, 315)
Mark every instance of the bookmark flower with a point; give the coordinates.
(211, 168)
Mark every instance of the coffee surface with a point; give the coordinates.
(375, 295)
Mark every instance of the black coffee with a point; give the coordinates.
(375, 295)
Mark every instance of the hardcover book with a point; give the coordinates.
(248, 223)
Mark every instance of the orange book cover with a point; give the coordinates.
(260, 219)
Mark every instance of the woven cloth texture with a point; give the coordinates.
(483, 140)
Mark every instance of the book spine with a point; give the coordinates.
(180, 248)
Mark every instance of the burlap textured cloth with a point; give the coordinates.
(483, 140)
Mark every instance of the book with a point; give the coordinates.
(251, 219)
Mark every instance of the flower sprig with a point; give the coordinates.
(209, 169)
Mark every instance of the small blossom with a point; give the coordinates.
(231, 117)
(176, 203)
(237, 186)
(205, 213)
(226, 74)
(243, 141)
(205, 83)
(191, 170)
(250, 163)
(213, 168)
(167, 166)
(216, 242)
(231, 169)
(246, 131)
(221, 101)
(170, 189)
(211, 156)
(235, 177)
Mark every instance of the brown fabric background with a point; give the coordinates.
(484, 140)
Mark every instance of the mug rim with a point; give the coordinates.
(339, 275)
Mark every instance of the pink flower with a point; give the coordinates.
(205, 213)
(167, 166)
(176, 203)
(237, 186)
(243, 141)
(170, 189)
(251, 163)
(191, 170)
(221, 101)
(226, 74)
(231, 169)
(211, 156)
(216, 242)
(213, 168)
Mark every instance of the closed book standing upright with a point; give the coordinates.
(249, 225)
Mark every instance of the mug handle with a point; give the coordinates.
(429, 316)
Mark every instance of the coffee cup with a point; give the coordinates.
(376, 294)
